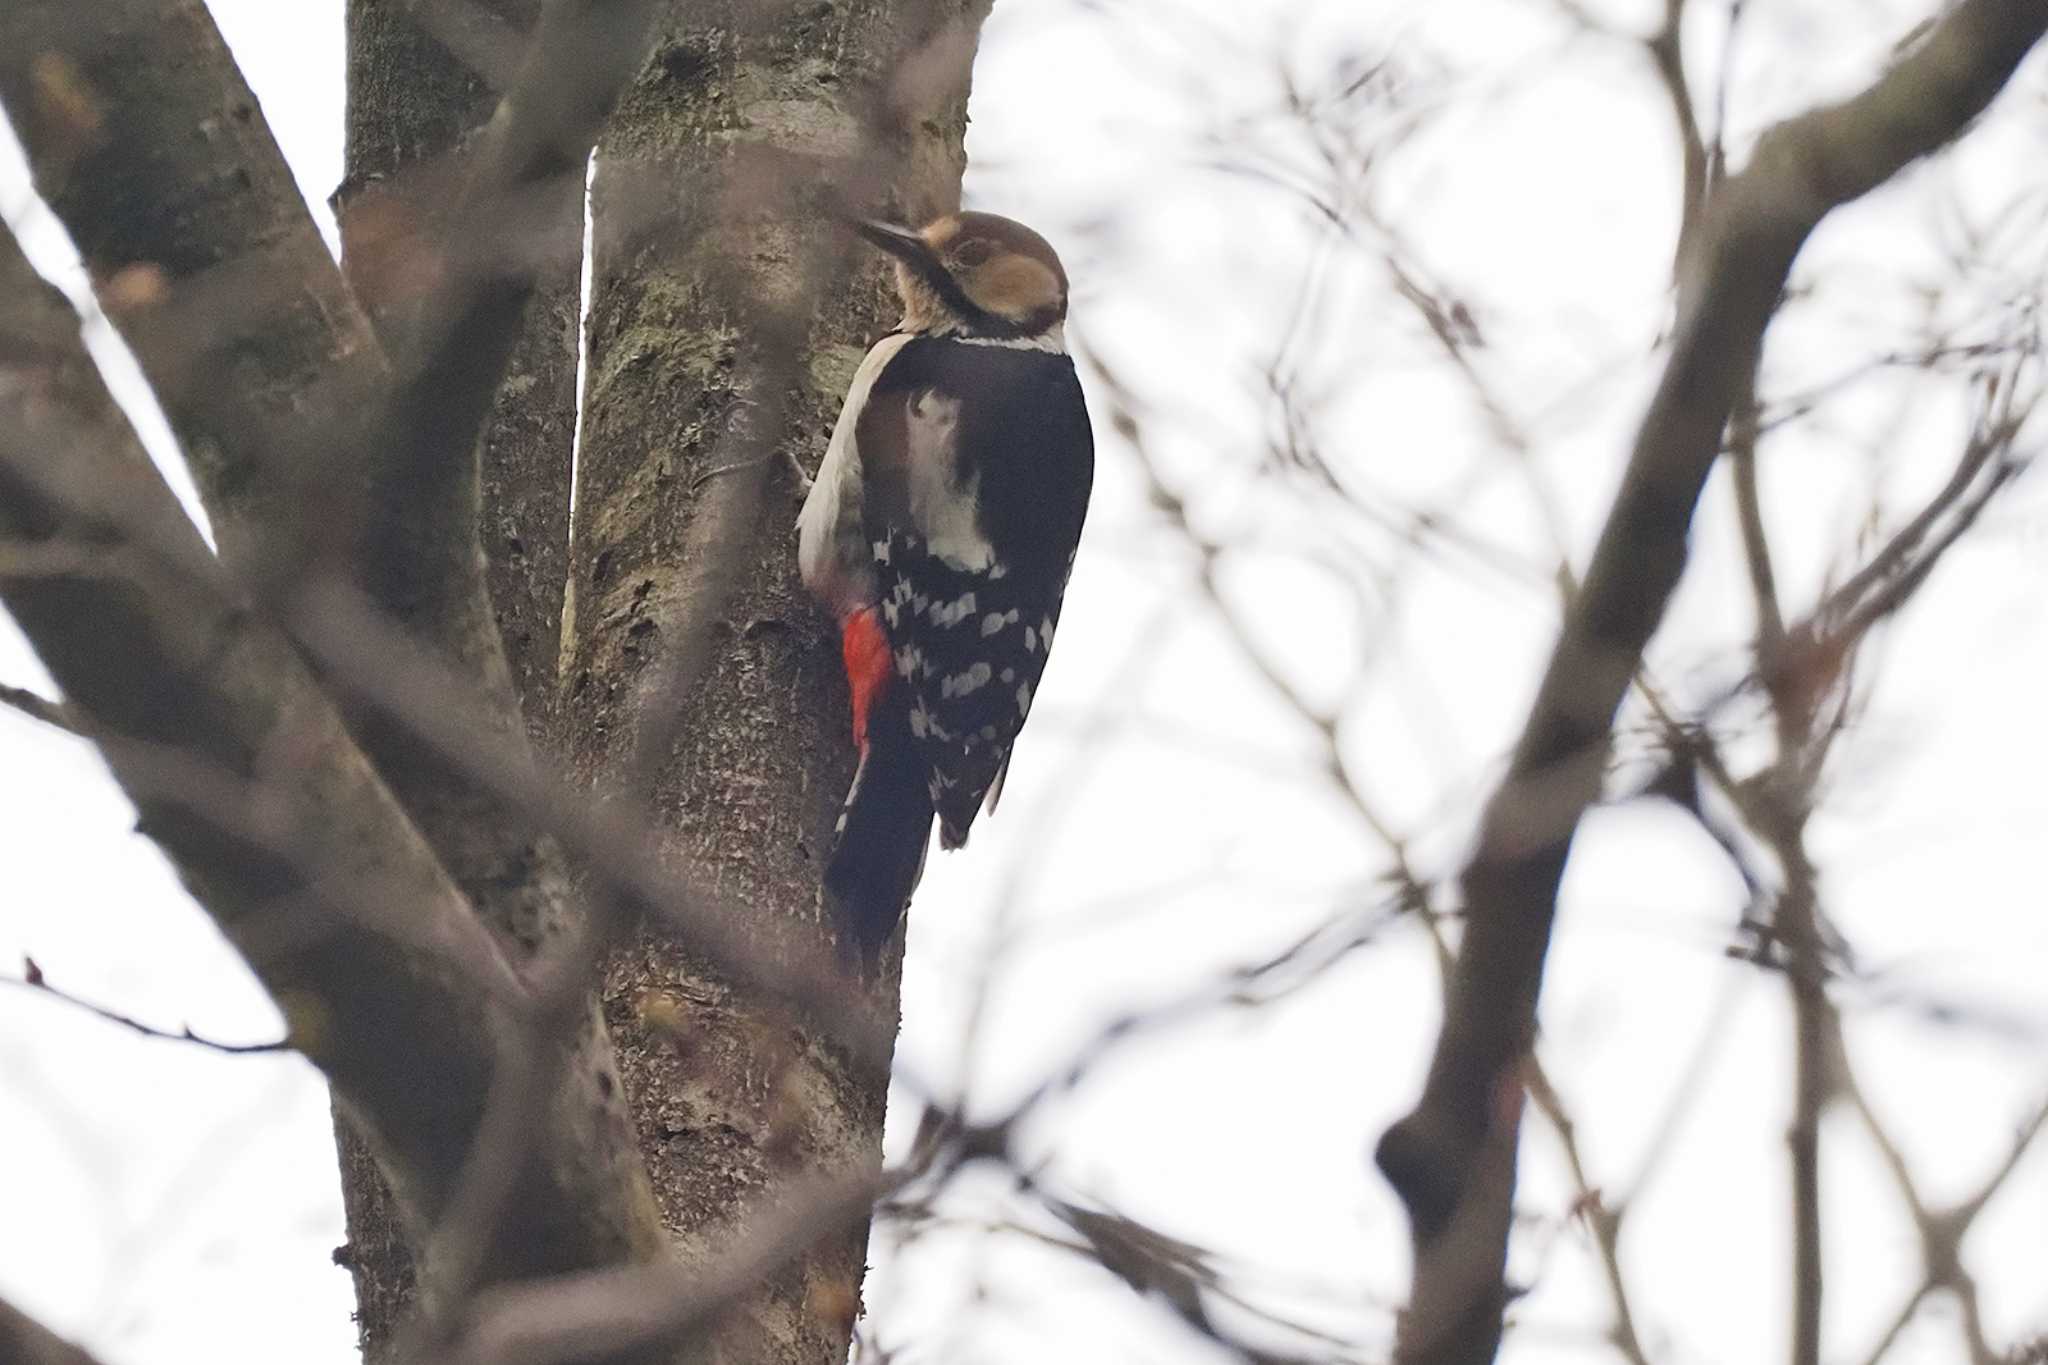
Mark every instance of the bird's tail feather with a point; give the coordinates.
(879, 850)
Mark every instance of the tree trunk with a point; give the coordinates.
(317, 461)
(726, 319)
(412, 101)
(716, 348)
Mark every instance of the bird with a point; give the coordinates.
(940, 532)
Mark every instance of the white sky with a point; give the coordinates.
(166, 1205)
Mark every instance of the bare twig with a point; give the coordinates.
(1763, 581)
(1752, 229)
(1795, 667)
(368, 655)
(1603, 1217)
(32, 979)
(38, 707)
(1941, 1231)
(1667, 54)
(1777, 807)
(634, 1308)
(1179, 1275)
(1798, 930)
(1987, 464)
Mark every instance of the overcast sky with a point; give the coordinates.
(1163, 820)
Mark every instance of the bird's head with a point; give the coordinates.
(976, 275)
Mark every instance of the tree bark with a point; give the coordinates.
(717, 357)
(412, 102)
(242, 770)
(415, 99)
(277, 386)
(726, 319)
(24, 1341)
(146, 142)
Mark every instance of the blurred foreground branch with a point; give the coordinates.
(24, 1341)
(1452, 1159)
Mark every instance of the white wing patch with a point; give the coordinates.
(831, 552)
(941, 507)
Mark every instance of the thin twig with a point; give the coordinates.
(1451, 1158)
(1763, 579)
(1602, 1218)
(32, 979)
(1666, 49)
(38, 707)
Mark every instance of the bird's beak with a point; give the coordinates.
(903, 243)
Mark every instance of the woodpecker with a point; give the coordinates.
(940, 532)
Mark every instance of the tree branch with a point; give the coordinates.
(1603, 1219)
(38, 707)
(423, 78)
(420, 557)
(205, 258)
(1451, 1159)
(24, 1341)
(245, 775)
(635, 1308)
(149, 146)
(32, 979)
(1666, 49)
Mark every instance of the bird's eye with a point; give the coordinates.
(972, 253)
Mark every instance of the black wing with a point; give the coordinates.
(970, 638)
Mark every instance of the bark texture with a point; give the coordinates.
(385, 895)
(145, 140)
(202, 252)
(726, 319)
(416, 99)
(243, 772)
